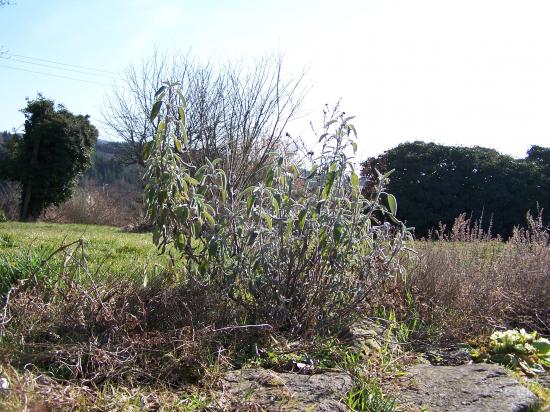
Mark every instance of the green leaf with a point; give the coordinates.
(177, 145)
(182, 116)
(392, 203)
(268, 221)
(312, 172)
(180, 241)
(182, 98)
(250, 203)
(387, 174)
(183, 213)
(328, 184)
(209, 219)
(203, 267)
(147, 150)
(191, 180)
(275, 203)
(197, 228)
(302, 219)
(184, 137)
(159, 91)
(213, 247)
(337, 232)
(542, 346)
(354, 146)
(269, 178)
(355, 180)
(156, 109)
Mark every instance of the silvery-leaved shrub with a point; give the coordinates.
(303, 250)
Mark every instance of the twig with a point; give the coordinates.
(230, 328)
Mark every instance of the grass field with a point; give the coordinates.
(108, 250)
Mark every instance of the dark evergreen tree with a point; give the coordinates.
(53, 153)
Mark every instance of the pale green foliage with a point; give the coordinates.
(300, 250)
(517, 349)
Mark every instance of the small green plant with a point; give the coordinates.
(7, 240)
(368, 396)
(516, 349)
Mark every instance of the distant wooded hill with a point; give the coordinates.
(106, 169)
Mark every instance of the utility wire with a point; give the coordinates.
(108, 76)
(55, 75)
(63, 64)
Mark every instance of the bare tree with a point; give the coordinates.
(235, 112)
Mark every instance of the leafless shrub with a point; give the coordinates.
(10, 194)
(470, 283)
(235, 112)
(118, 204)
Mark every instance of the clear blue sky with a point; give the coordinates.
(455, 72)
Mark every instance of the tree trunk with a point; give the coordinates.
(27, 187)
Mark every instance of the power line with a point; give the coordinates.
(59, 68)
(55, 75)
(63, 64)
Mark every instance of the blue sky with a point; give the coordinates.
(468, 72)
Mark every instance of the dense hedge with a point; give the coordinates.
(435, 183)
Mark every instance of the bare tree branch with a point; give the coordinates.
(235, 112)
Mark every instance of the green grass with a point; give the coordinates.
(108, 250)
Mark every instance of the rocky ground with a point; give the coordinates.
(440, 380)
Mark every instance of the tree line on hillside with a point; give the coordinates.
(106, 167)
(435, 183)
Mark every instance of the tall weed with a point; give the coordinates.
(302, 250)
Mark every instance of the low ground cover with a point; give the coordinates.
(69, 345)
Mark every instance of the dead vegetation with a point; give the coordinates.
(466, 282)
(118, 204)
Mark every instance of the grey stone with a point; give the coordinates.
(473, 387)
(450, 356)
(266, 390)
(368, 338)
(543, 380)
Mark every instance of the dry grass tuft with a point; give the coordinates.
(117, 205)
(469, 283)
(116, 331)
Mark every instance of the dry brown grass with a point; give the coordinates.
(469, 283)
(117, 205)
(10, 193)
(114, 330)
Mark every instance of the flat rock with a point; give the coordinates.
(265, 390)
(367, 337)
(473, 387)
